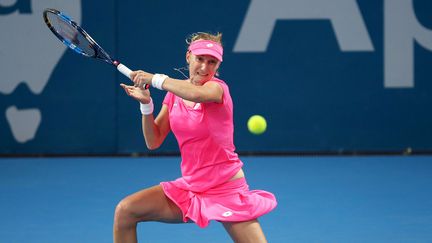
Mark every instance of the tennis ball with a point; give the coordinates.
(257, 124)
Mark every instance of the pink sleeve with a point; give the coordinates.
(168, 99)
(224, 87)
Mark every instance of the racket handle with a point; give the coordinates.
(127, 72)
(124, 70)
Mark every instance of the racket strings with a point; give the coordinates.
(70, 35)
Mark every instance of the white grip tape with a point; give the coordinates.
(124, 70)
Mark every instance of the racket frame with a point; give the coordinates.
(99, 52)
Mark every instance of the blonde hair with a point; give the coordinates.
(204, 36)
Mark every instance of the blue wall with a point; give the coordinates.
(318, 92)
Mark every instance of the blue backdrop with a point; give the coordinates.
(329, 76)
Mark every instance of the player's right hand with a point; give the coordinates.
(139, 93)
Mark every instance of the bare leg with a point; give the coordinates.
(147, 205)
(245, 232)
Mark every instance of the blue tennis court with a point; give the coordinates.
(339, 90)
(321, 199)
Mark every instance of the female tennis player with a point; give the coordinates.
(199, 111)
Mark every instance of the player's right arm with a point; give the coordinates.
(156, 130)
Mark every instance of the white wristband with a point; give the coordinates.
(147, 109)
(158, 80)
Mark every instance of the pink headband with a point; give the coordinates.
(206, 47)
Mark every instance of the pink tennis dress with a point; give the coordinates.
(205, 136)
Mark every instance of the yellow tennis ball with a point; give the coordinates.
(257, 124)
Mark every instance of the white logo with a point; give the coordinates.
(227, 214)
(28, 54)
(210, 45)
(23, 123)
(401, 31)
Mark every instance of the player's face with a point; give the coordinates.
(202, 68)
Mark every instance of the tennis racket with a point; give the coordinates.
(77, 39)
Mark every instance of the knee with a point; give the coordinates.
(124, 215)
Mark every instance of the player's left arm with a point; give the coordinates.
(211, 91)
